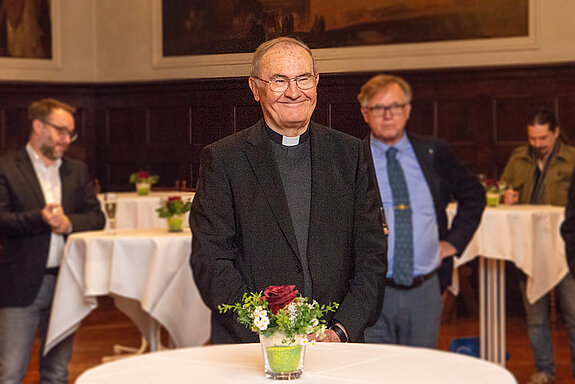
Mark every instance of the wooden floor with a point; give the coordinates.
(106, 326)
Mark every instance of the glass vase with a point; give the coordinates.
(492, 199)
(175, 223)
(283, 357)
(143, 188)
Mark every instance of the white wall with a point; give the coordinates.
(123, 44)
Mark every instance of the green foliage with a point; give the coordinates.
(173, 206)
(144, 177)
(297, 318)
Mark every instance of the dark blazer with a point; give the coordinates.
(243, 238)
(568, 227)
(448, 180)
(26, 237)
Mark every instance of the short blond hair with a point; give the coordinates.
(380, 82)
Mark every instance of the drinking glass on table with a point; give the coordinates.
(111, 205)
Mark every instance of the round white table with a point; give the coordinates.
(146, 271)
(527, 235)
(324, 363)
(137, 211)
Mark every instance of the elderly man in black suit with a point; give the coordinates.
(288, 201)
(43, 197)
(417, 178)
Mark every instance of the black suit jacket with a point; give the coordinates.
(26, 237)
(243, 238)
(448, 180)
(568, 227)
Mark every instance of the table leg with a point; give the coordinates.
(492, 310)
(154, 335)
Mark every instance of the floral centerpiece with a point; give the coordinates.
(283, 320)
(143, 181)
(493, 191)
(173, 210)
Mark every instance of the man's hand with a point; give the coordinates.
(446, 249)
(54, 216)
(511, 196)
(328, 337)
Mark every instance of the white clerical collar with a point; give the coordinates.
(290, 141)
(286, 140)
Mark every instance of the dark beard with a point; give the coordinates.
(48, 152)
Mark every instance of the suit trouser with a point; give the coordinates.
(409, 316)
(18, 327)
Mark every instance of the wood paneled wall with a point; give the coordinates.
(162, 126)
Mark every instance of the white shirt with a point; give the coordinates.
(49, 178)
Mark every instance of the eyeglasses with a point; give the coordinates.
(379, 110)
(62, 131)
(281, 83)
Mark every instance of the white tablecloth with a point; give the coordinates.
(324, 363)
(147, 271)
(527, 235)
(135, 211)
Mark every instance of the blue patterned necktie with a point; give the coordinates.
(403, 255)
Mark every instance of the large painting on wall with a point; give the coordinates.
(199, 27)
(25, 29)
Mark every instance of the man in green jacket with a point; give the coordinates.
(540, 173)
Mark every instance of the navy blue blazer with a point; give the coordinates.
(448, 180)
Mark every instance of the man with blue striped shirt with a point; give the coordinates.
(433, 176)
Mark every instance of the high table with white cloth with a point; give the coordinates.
(324, 363)
(527, 235)
(146, 271)
(139, 211)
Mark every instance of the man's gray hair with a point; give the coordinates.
(265, 47)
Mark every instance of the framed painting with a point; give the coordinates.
(228, 29)
(29, 33)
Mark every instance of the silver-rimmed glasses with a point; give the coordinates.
(281, 83)
(396, 109)
(62, 131)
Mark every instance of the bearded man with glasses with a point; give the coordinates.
(288, 202)
(44, 196)
(417, 178)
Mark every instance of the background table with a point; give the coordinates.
(137, 211)
(324, 363)
(527, 235)
(146, 271)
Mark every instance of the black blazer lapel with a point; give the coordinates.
(321, 201)
(426, 156)
(67, 188)
(260, 157)
(24, 164)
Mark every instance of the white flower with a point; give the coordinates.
(259, 312)
(305, 341)
(262, 322)
(314, 322)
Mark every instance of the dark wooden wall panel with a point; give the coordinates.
(162, 126)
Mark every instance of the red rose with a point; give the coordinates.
(143, 175)
(279, 297)
(174, 198)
